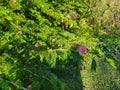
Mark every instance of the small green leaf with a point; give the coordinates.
(111, 62)
(93, 65)
(42, 57)
(9, 18)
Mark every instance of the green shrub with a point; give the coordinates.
(108, 31)
(36, 49)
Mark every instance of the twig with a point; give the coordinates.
(15, 84)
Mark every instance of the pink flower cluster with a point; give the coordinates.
(74, 44)
(81, 49)
(14, 1)
(68, 16)
(36, 45)
(19, 32)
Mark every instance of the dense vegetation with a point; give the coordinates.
(45, 44)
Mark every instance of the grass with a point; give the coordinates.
(105, 77)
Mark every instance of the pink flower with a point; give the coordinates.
(53, 40)
(74, 44)
(20, 32)
(36, 45)
(30, 86)
(82, 49)
(14, 1)
(68, 16)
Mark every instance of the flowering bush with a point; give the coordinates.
(35, 44)
(82, 49)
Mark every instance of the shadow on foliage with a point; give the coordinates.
(107, 78)
(111, 46)
(35, 75)
(69, 72)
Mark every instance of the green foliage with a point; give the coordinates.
(111, 62)
(107, 28)
(93, 65)
(36, 49)
(36, 38)
(106, 77)
(108, 31)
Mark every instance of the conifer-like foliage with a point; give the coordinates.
(36, 44)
